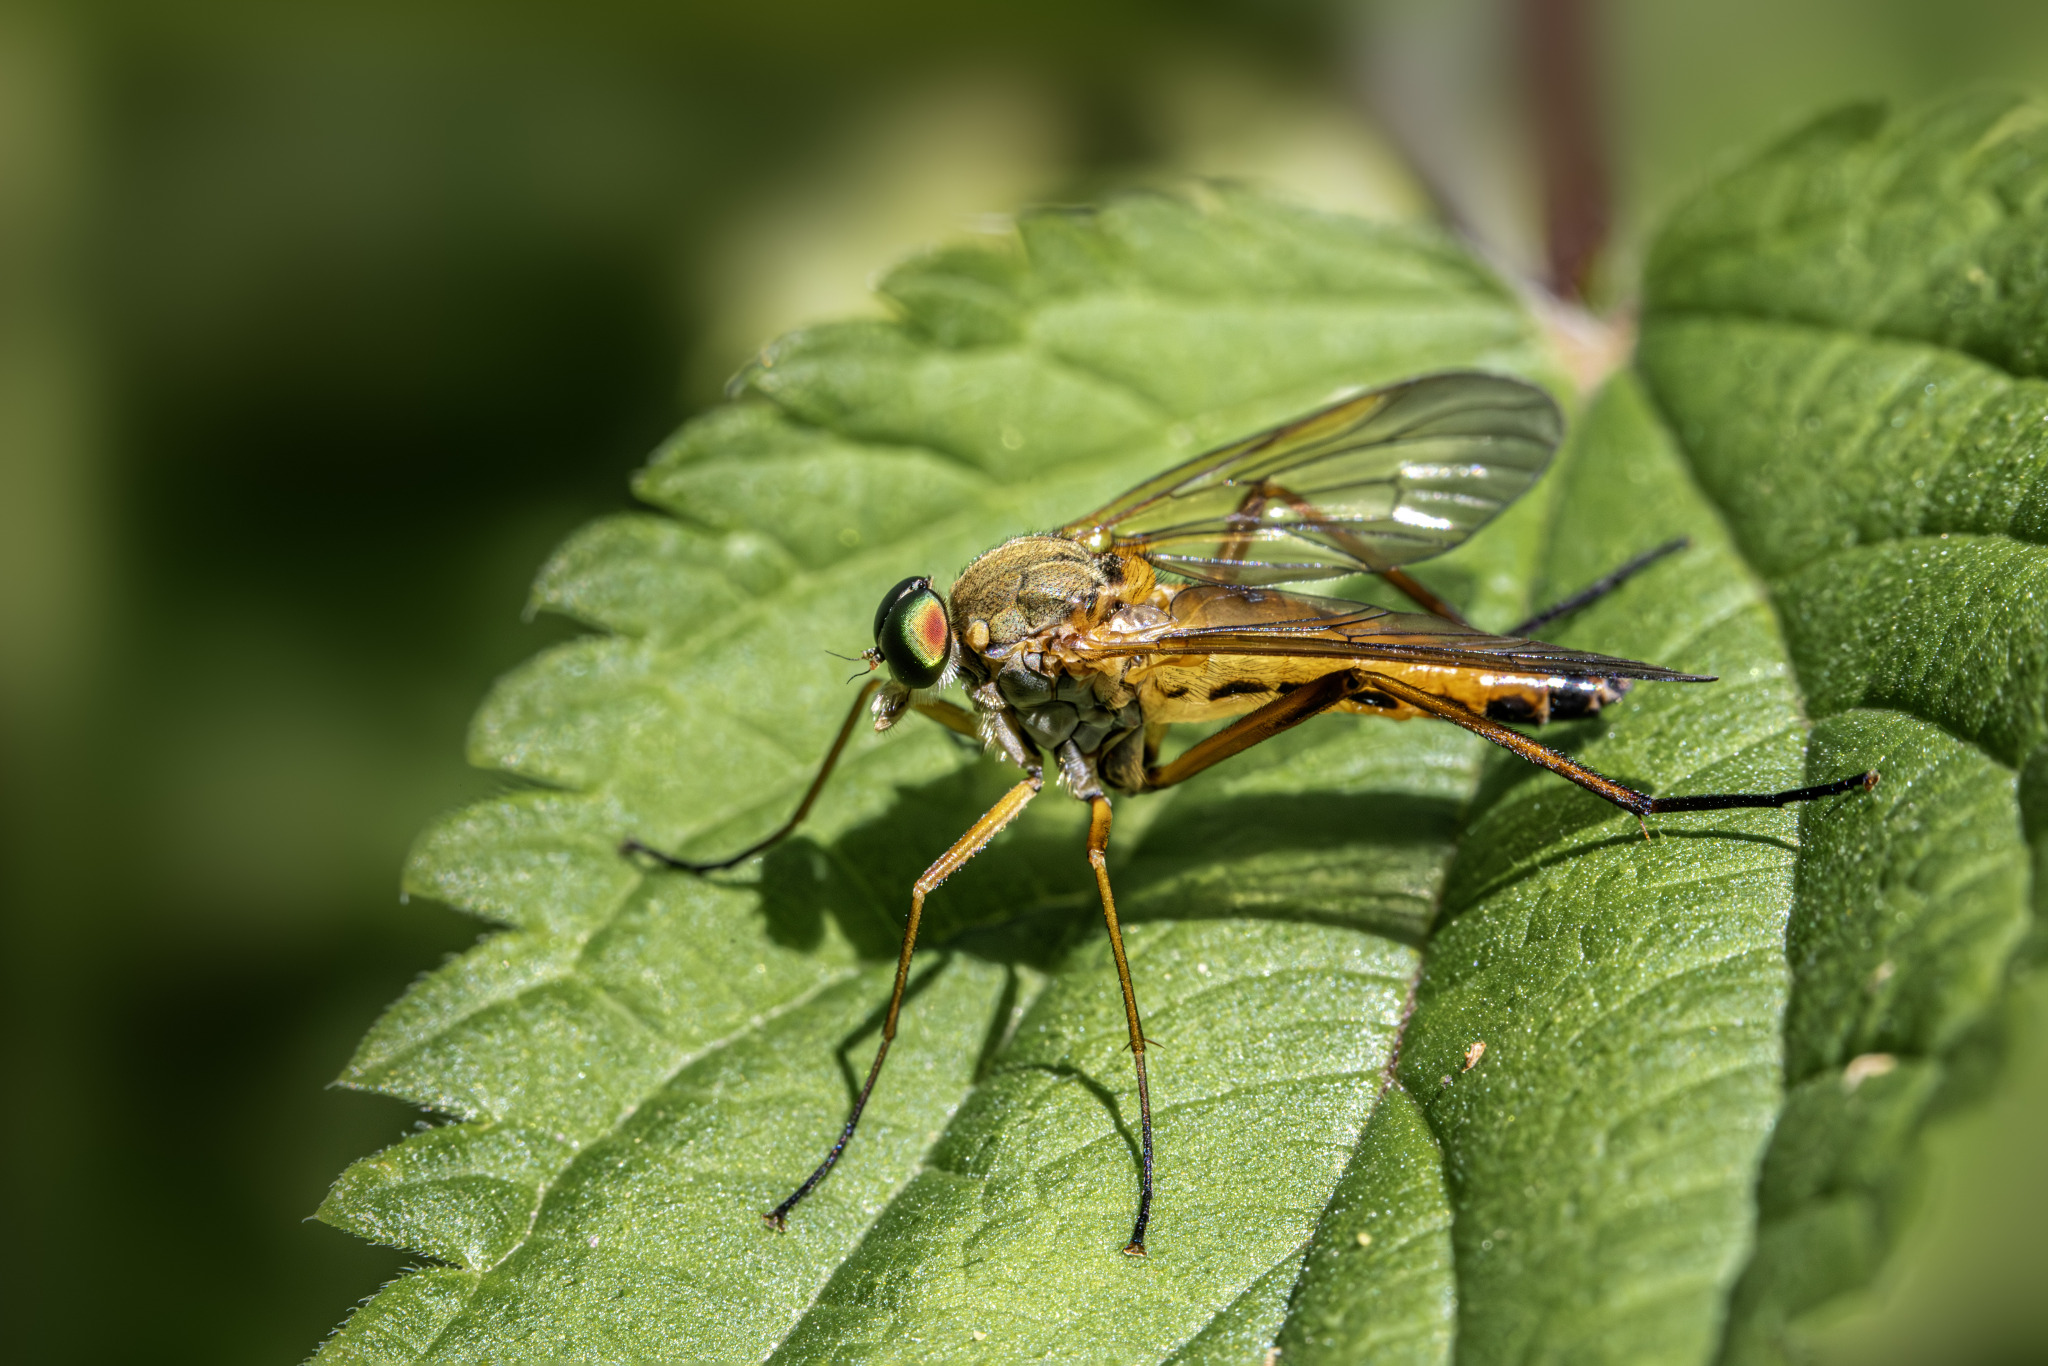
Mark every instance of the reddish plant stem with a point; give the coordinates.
(1561, 75)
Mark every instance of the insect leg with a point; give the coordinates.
(1249, 508)
(955, 718)
(1358, 550)
(1282, 713)
(1641, 803)
(950, 862)
(1252, 506)
(1599, 588)
(1098, 842)
(1431, 603)
(1422, 597)
(803, 808)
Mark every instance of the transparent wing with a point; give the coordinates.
(1382, 479)
(1215, 619)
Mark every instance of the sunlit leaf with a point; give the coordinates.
(1848, 334)
(1449, 1056)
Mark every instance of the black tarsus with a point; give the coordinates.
(628, 848)
(1598, 589)
(775, 1218)
(1638, 803)
(868, 689)
(1136, 1246)
(1731, 801)
(977, 836)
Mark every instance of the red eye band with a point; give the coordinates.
(929, 632)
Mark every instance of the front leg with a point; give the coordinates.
(966, 847)
(633, 847)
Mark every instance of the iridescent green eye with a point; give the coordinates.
(912, 633)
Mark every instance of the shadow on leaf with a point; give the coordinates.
(1103, 1094)
(1368, 861)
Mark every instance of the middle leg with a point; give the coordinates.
(1098, 844)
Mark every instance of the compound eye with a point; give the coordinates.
(912, 633)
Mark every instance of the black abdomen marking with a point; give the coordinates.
(1238, 687)
(1512, 708)
(1566, 699)
(1579, 697)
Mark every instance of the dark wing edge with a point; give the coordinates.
(1409, 642)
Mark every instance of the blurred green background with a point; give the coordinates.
(320, 323)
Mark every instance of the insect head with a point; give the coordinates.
(912, 633)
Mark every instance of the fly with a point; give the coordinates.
(1085, 643)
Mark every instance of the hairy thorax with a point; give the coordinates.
(1018, 609)
(1027, 586)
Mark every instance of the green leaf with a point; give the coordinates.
(1667, 1146)
(640, 1064)
(1849, 336)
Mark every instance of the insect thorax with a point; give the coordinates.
(1004, 608)
(1026, 586)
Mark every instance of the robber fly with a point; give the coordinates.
(1085, 643)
